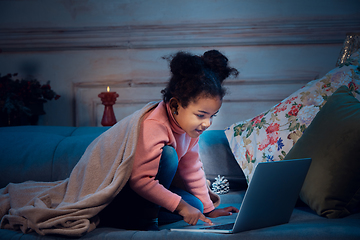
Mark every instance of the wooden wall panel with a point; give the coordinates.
(84, 46)
(245, 99)
(182, 35)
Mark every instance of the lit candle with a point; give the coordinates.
(108, 99)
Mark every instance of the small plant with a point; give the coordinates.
(22, 98)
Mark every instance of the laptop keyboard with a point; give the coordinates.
(228, 226)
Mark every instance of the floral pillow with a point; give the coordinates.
(270, 135)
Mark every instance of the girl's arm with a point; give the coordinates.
(153, 137)
(221, 212)
(193, 176)
(190, 214)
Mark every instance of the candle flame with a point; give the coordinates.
(108, 89)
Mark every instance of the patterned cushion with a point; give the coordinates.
(270, 135)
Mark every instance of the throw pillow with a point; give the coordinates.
(332, 140)
(270, 135)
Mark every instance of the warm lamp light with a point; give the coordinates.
(108, 99)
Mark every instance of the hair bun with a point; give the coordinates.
(185, 64)
(218, 64)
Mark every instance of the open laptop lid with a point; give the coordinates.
(270, 197)
(272, 194)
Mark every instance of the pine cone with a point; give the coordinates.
(221, 185)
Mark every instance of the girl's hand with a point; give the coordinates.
(222, 212)
(190, 214)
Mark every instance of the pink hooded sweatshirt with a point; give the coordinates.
(157, 130)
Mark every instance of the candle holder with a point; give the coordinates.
(108, 99)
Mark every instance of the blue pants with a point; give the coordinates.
(167, 169)
(130, 211)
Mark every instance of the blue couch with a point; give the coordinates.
(45, 153)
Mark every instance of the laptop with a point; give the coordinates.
(269, 200)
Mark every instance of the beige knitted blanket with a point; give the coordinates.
(70, 207)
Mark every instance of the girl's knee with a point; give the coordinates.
(167, 166)
(189, 198)
(169, 151)
(169, 159)
(196, 203)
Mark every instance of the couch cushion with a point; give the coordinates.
(332, 186)
(57, 130)
(70, 150)
(26, 156)
(89, 130)
(42, 153)
(218, 159)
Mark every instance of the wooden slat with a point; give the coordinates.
(235, 33)
(245, 98)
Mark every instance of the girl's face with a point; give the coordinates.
(198, 115)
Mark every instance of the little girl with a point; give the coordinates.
(167, 182)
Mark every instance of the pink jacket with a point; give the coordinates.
(158, 129)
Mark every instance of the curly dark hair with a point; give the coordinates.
(194, 76)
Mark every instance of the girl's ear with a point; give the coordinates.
(174, 105)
